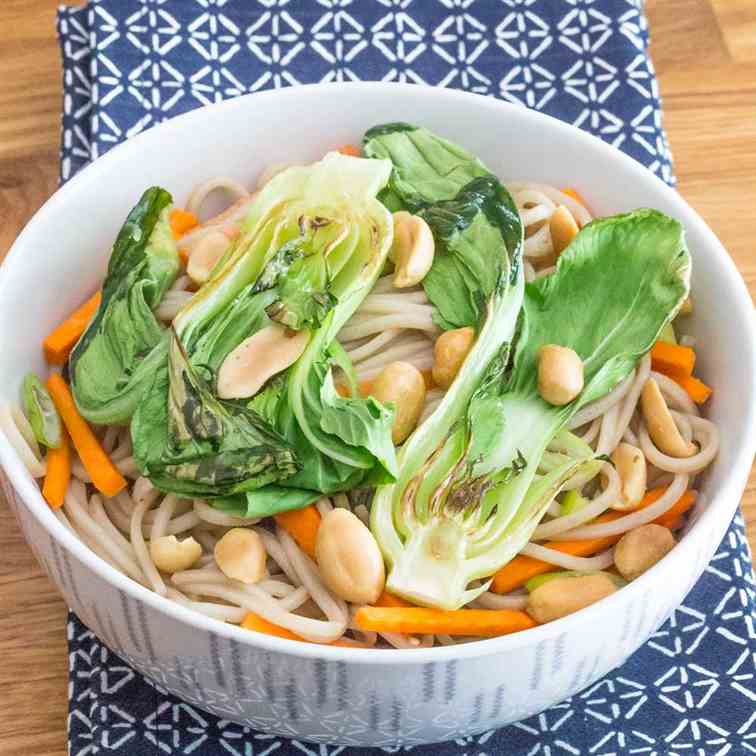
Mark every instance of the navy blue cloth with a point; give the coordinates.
(129, 64)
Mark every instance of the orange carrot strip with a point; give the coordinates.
(671, 517)
(418, 620)
(62, 340)
(575, 194)
(697, 390)
(365, 387)
(58, 473)
(388, 600)
(349, 149)
(182, 221)
(665, 356)
(105, 475)
(519, 570)
(302, 525)
(255, 622)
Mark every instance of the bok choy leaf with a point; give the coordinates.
(470, 213)
(469, 495)
(311, 247)
(116, 357)
(198, 445)
(477, 277)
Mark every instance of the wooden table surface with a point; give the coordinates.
(705, 57)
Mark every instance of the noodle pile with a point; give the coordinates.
(389, 325)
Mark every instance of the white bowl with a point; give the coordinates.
(340, 695)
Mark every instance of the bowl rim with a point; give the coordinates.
(724, 501)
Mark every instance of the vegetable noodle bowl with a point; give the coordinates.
(606, 471)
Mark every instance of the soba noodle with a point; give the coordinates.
(389, 325)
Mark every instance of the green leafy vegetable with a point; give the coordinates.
(188, 441)
(469, 230)
(305, 298)
(116, 357)
(353, 436)
(427, 168)
(40, 412)
(476, 278)
(471, 214)
(458, 514)
(311, 247)
(266, 502)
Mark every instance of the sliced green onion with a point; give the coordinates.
(572, 502)
(40, 412)
(539, 580)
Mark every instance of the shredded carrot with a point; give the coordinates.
(182, 221)
(365, 387)
(349, 149)
(388, 600)
(517, 572)
(666, 356)
(302, 525)
(671, 518)
(419, 620)
(184, 256)
(62, 340)
(255, 622)
(697, 390)
(575, 194)
(58, 472)
(105, 475)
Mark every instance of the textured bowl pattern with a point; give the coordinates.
(313, 699)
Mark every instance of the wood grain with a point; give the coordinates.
(705, 57)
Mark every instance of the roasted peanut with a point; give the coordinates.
(560, 374)
(449, 353)
(205, 255)
(563, 229)
(631, 468)
(349, 559)
(404, 385)
(641, 548)
(240, 555)
(171, 555)
(660, 423)
(258, 358)
(412, 250)
(565, 595)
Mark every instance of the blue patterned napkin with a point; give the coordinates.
(129, 64)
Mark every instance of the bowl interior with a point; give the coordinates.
(62, 255)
